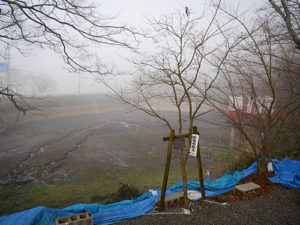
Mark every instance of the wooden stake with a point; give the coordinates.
(166, 173)
(195, 131)
(176, 137)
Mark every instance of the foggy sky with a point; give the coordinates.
(132, 12)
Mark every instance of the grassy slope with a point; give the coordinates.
(101, 183)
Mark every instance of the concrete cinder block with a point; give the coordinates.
(78, 219)
(251, 186)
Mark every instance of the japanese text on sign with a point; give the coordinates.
(194, 144)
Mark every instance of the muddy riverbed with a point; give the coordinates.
(71, 136)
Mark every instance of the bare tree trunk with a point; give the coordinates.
(262, 167)
(184, 180)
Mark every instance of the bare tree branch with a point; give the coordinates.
(290, 13)
(173, 75)
(67, 27)
(253, 95)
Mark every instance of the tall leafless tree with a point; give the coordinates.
(258, 93)
(176, 69)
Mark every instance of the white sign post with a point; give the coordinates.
(194, 145)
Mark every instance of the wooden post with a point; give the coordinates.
(166, 173)
(195, 131)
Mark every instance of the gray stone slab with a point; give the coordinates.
(173, 197)
(251, 186)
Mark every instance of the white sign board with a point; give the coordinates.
(194, 145)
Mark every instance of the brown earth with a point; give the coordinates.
(258, 178)
(271, 204)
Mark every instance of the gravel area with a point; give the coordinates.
(281, 206)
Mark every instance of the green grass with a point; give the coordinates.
(100, 185)
(101, 189)
(239, 165)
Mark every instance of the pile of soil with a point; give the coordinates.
(271, 204)
(258, 178)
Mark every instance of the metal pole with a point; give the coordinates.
(8, 66)
(78, 84)
(166, 173)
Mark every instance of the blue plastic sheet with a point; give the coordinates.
(95, 208)
(117, 212)
(220, 184)
(287, 173)
(36, 216)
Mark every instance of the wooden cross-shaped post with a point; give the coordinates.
(171, 139)
(166, 173)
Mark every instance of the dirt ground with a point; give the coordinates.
(70, 137)
(272, 204)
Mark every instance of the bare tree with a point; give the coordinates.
(258, 93)
(71, 28)
(175, 70)
(289, 12)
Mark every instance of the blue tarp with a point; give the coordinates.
(117, 212)
(227, 181)
(287, 173)
(36, 216)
